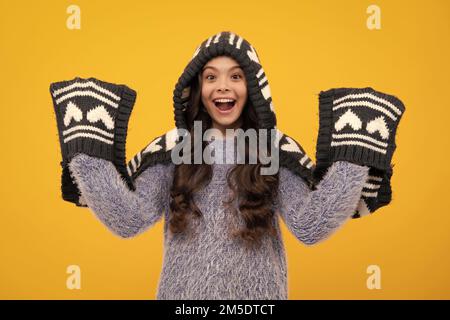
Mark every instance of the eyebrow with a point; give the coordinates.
(233, 67)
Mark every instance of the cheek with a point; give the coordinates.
(243, 94)
(206, 92)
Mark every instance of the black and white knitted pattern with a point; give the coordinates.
(92, 118)
(292, 155)
(157, 151)
(377, 192)
(358, 125)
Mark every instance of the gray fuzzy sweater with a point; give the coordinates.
(208, 263)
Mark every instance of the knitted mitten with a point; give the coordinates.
(92, 118)
(357, 125)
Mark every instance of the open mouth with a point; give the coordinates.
(224, 104)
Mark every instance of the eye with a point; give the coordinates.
(209, 75)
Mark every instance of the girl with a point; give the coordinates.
(222, 236)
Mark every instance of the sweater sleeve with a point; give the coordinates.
(313, 215)
(126, 213)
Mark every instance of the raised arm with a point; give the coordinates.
(126, 213)
(313, 216)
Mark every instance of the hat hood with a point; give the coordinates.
(234, 46)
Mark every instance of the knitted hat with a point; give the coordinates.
(234, 46)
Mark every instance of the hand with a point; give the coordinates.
(357, 125)
(92, 118)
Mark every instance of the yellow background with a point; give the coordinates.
(305, 47)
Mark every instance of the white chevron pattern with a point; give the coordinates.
(348, 118)
(72, 112)
(378, 124)
(100, 114)
(292, 146)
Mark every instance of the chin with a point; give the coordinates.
(226, 123)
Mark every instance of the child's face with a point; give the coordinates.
(222, 77)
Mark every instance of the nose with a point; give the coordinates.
(223, 85)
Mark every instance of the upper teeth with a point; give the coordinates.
(223, 100)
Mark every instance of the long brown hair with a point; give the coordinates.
(256, 192)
